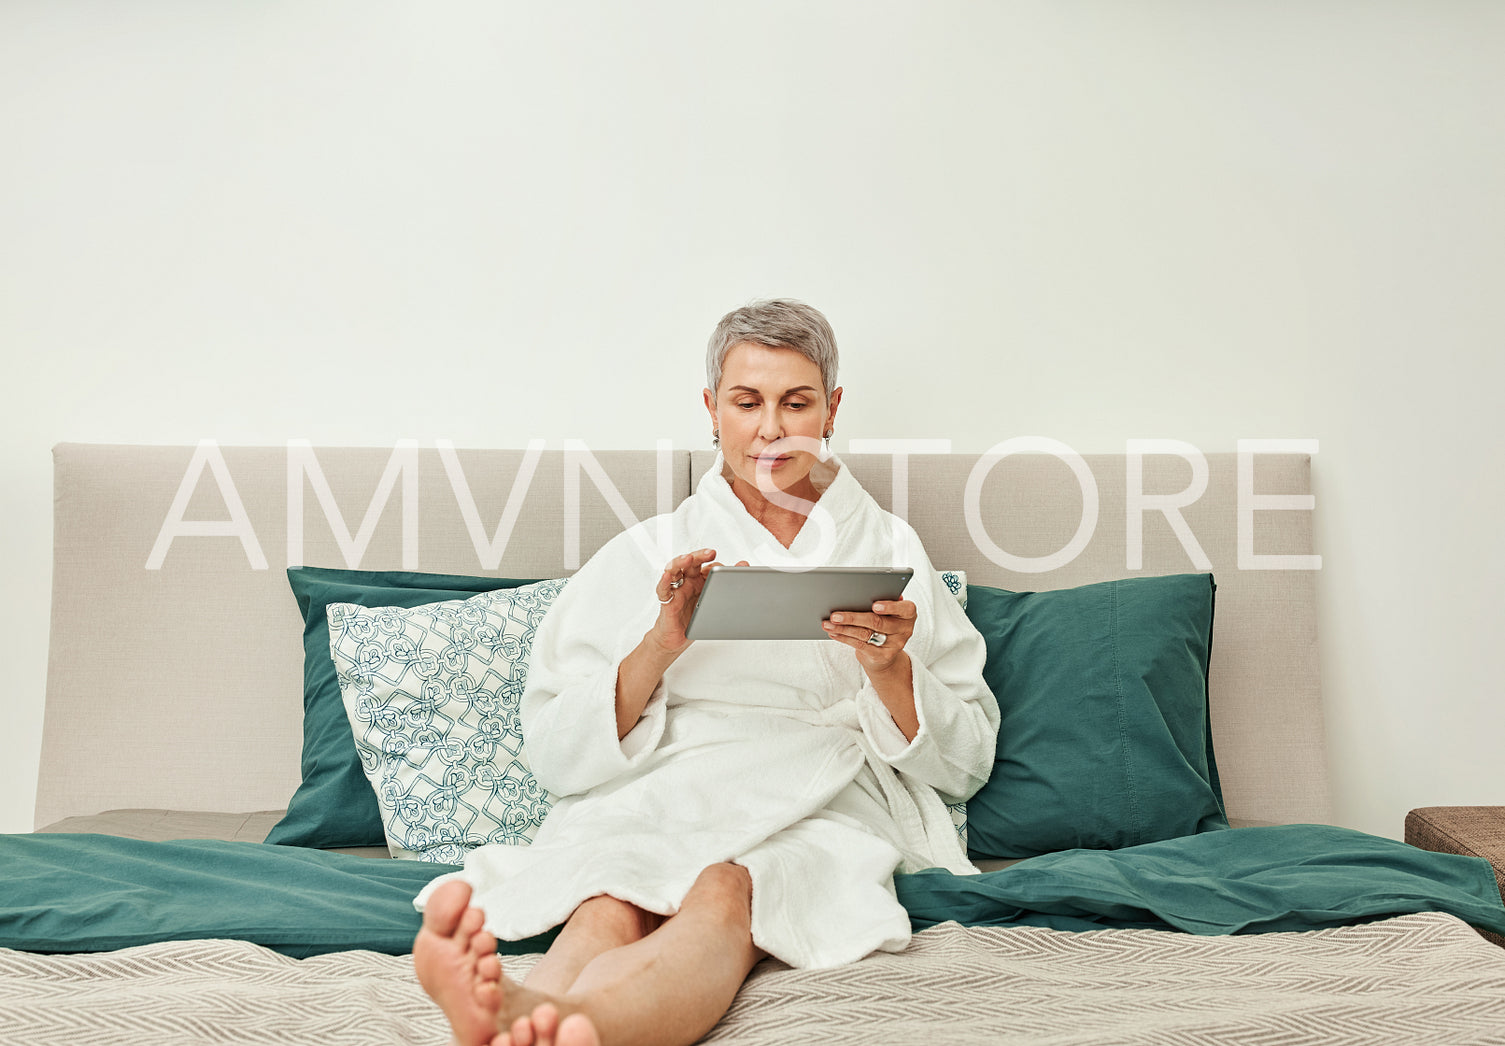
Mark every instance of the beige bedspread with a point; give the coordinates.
(1410, 980)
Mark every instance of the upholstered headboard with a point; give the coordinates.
(175, 661)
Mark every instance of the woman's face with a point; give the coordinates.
(766, 396)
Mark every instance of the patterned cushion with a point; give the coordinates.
(956, 583)
(334, 805)
(432, 695)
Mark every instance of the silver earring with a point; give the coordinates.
(828, 439)
(716, 438)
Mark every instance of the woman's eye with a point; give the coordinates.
(796, 405)
(747, 405)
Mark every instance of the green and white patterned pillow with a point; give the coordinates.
(432, 694)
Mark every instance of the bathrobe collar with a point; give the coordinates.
(841, 496)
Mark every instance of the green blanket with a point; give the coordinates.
(1242, 880)
(86, 893)
(92, 893)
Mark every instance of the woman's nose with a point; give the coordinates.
(770, 425)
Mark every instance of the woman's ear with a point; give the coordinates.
(831, 405)
(710, 402)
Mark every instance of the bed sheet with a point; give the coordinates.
(1414, 980)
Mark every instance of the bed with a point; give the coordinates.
(1157, 868)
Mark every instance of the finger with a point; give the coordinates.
(859, 620)
(679, 570)
(901, 608)
(842, 637)
(687, 561)
(664, 590)
(858, 634)
(705, 568)
(866, 650)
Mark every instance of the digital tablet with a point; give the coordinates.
(769, 603)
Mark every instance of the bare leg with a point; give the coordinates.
(669, 987)
(672, 986)
(598, 925)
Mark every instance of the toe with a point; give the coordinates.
(489, 968)
(577, 1030)
(482, 944)
(522, 1032)
(488, 995)
(470, 924)
(545, 1022)
(445, 908)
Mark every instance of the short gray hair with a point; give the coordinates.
(779, 323)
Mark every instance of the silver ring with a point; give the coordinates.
(877, 638)
(676, 583)
(665, 602)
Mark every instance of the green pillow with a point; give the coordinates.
(335, 805)
(1105, 739)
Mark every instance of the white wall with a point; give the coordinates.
(490, 221)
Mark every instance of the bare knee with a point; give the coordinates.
(615, 919)
(723, 891)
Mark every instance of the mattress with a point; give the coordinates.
(1413, 980)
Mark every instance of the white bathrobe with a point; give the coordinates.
(776, 755)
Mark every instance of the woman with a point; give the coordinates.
(721, 800)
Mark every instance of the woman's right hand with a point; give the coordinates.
(678, 591)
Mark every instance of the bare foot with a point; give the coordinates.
(543, 1027)
(457, 964)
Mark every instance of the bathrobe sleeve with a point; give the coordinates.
(953, 750)
(568, 707)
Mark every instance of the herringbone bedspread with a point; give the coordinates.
(1411, 980)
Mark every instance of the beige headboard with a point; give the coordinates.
(175, 661)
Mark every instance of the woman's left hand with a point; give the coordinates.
(879, 637)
